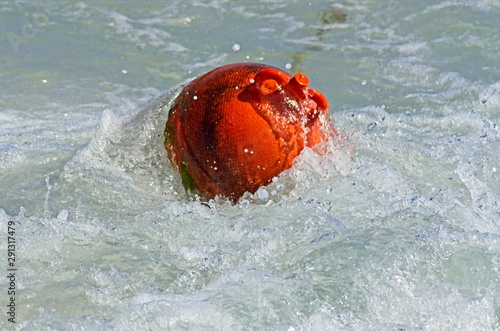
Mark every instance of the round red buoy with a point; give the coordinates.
(236, 127)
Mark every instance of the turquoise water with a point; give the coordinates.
(398, 228)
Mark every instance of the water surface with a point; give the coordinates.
(398, 228)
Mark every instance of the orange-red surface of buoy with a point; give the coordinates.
(236, 127)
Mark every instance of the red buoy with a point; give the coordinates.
(236, 127)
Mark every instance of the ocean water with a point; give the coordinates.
(396, 228)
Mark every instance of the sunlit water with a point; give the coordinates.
(396, 228)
